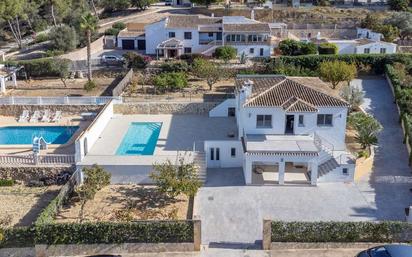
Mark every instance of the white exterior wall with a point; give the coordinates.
(120, 41)
(221, 110)
(344, 46)
(337, 175)
(267, 50)
(375, 48)
(369, 34)
(93, 132)
(155, 34)
(226, 160)
(334, 134)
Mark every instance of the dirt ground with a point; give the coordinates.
(126, 203)
(55, 87)
(351, 143)
(20, 205)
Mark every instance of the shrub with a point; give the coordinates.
(292, 47)
(175, 66)
(328, 48)
(63, 38)
(41, 37)
(225, 53)
(136, 61)
(173, 180)
(89, 86)
(353, 95)
(189, 58)
(113, 233)
(170, 81)
(367, 128)
(17, 237)
(52, 53)
(111, 32)
(44, 67)
(119, 25)
(338, 231)
(6, 182)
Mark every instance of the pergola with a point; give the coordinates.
(169, 44)
(7, 73)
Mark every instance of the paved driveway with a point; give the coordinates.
(387, 188)
(232, 213)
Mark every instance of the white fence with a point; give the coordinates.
(30, 159)
(67, 100)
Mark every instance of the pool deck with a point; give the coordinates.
(176, 136)
(67, 148)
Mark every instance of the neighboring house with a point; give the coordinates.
(185, 34)
(367, 42)
(287, 126)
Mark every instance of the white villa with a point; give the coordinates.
(276, 130)
(287, 127)
(185, 34)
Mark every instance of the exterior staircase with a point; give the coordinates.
(327, 167)
(199, 160)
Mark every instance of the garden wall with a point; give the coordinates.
(165, 108)
(81, 54)
(27, 174)
(16, 110)
(118, 90)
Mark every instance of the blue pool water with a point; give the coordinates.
(140, 139)
(24, 135)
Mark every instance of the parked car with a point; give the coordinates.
(168, 2)
(388, 251)
(112, 59)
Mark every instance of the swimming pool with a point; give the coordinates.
(23, 135)
(140, 139)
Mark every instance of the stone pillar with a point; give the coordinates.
(314, 173)
(2, 85)
(197, 237)
(281, 178)
(14, 77)
(267, 235)
(247, 170)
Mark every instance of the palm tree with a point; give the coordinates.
(88, 24)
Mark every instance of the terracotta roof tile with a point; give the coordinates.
(190, 21)
(281, 91)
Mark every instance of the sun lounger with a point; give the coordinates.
(35, 117)
(57, 116)
(46, 116)
(24, 117)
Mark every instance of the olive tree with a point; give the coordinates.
(353, 95)
(175, 179)
(207, 70)
(336, 72)
(96, 178)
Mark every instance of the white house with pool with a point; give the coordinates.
(277, 130)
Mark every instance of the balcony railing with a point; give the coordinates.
(64, 100)
(30, 159)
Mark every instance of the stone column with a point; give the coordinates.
(247, 170)
(281, 171)
(2, 85)
(267, 234)
(14, 77)
(197, 230)
(314, 173)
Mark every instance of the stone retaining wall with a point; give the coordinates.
(18, 252)
(165, 108)
(27, 174)
(16, 110)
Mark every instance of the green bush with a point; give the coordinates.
(347, 232)
(63, 38)
(328, 48)
(136, 61)
(89, 86)
(190, 58)
(42, 37)
(119, 25)
(6, 182)
(292, 47)
(225, 53)
(44, 67)
(17, 237)
(111, 32)
(170, 81)
(109, 233)
(175, 66)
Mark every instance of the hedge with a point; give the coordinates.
(6, 182)
(345, 232)
(17, 237)
(376, 61)
(109, 232)
(44, 67)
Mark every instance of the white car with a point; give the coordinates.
(112, 59)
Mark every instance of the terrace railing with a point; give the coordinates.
(30, 159)
(65, 100)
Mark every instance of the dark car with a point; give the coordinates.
(388, 251)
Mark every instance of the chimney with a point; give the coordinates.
(247, 88)
(212, 15)
(318, 35)
(252, 14)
